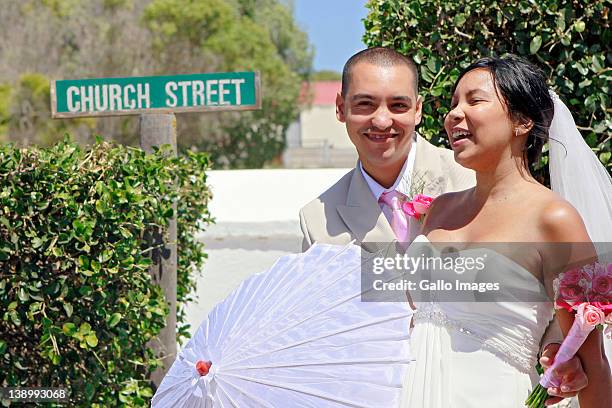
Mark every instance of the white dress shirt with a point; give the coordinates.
(402, 184)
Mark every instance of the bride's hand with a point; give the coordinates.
(571, 373)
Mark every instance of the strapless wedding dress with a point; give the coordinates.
(477, 354)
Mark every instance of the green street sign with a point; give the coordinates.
(158, 94)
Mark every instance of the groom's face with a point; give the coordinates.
(380, 109)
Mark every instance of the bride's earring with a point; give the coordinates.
(516, 132)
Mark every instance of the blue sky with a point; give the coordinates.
(334, 27)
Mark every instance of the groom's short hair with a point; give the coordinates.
(379, 56)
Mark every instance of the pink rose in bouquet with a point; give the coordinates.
(589, 315)
(602, 284)
(573, 276)
(572, 293)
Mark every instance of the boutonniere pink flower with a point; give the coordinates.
(418, 206)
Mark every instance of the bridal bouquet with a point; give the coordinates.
(587, 292)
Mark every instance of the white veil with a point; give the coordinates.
(579, 177)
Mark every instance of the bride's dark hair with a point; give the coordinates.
(524, 92)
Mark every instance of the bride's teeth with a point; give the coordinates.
(459, 134)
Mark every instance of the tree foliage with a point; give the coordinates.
(28, 113)
(569, 39)
(104, 38)
(234, 36)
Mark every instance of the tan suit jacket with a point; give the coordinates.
(349, 211)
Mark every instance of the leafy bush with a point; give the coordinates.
(569, 39)
(78, 305)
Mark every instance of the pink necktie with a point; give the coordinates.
(399, 221)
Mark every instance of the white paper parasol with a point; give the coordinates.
(297, 335)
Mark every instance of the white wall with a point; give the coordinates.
(266, 194)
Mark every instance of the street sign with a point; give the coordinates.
(159, 94)
(156, 99)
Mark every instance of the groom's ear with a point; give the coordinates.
(340, 107)
(418, 112)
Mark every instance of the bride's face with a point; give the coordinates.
(478, 126)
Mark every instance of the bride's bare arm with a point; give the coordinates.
(566, 237)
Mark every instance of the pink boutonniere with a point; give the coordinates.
(418, 206)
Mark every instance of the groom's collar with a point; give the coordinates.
(376, 189)
(362, 213)
(402, 183)
(359, 193)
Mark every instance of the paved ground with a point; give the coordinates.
(232, 259)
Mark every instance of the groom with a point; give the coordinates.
(380, 106)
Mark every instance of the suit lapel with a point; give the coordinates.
(362, 214)
(428, 172)
(428, 169)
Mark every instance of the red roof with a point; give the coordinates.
(323, 92)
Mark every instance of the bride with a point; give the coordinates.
(482, 354)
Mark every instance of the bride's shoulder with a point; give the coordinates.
(560, 224)
(449, 199)
(559, 221)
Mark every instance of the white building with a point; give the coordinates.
(317, 138)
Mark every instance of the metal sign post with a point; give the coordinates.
(156, 99)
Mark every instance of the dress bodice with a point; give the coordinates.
(511, 329)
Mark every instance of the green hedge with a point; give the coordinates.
(570, 40)
(77, 306)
